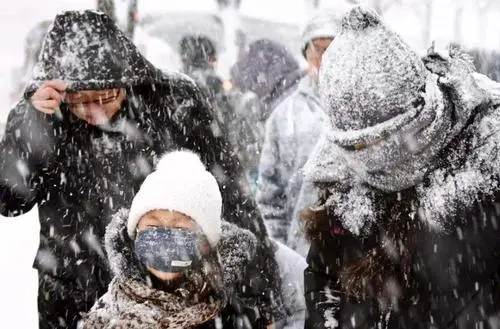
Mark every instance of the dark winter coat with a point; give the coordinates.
(79, 175)
(406, 274)
(133, 303)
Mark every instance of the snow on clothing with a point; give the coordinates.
(80, 174)
(420, 251)
(292, 266)
(133, 302)
(292, 130)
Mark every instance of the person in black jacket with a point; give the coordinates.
(89, 129)
(404, 232)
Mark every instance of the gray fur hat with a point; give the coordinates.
(369, 77)
(324, 24)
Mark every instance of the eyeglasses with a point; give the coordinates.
(103, 100)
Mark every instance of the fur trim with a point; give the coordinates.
(236, 249)
(134, 305)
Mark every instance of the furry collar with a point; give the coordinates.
(235, 250)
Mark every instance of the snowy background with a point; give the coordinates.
(474, 23)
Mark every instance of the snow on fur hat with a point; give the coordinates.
(369, 78)
(324, 24)
(181, 183)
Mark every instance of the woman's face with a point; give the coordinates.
(169, 219)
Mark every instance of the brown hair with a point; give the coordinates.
(313, 219)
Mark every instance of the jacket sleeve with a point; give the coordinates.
(292, 267)
(18, 161)
(274, 174)
(322, 287)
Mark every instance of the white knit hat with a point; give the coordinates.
(324, 24)
(181, 183)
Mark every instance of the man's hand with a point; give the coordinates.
(49, 96)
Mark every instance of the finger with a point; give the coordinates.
(45, 110)
(54, 95)
(47, 93)
(56, 84)
(48, 105)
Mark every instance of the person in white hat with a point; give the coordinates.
(175, 262)
(293, 128)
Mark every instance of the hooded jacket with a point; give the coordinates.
(408, 248)
(133, 303)
(79, 175)
(292, 130)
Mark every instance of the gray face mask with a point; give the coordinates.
(168, 249)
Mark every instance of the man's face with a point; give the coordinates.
(314, 53)
(96, 107)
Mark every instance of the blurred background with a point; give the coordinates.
(156, 26)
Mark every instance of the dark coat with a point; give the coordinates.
(451, 293)
(79, 175)
(405, 274)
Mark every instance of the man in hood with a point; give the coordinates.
(292, 129)
(404, 231)
(89, 129)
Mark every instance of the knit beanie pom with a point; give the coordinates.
(189, 161)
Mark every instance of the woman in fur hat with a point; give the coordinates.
(176, 264)
(405, 230)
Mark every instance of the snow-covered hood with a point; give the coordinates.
(88, 51)
(473, 169)
(236, 249)
(436, 134)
